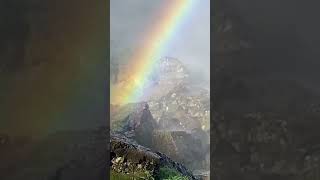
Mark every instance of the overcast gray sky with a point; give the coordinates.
(191, 44)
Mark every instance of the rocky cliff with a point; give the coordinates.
(127, 157)
(176, 121)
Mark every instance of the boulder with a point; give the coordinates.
(127, 156)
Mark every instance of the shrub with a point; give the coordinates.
(171, 174)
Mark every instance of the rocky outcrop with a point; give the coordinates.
(167, 73)
(183, 109)
(127, 156)
(173, 138)
(187, 148)
(140, 125)
(177, 117)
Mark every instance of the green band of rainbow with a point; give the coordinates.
(143, 62)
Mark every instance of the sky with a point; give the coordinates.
(191, 43)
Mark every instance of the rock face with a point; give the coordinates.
(127, 156)
(183, 147)
(171, 72)
(187, 146)
(182, 109)
(167, 73)
(177, 120)
(141, 125)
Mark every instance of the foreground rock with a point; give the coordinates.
(184, 147)
(178, 141)
(141, 124)
(127, 157)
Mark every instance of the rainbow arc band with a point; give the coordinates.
(143, 62)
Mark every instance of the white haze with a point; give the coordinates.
(191, 44)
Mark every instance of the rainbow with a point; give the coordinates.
(142, 64)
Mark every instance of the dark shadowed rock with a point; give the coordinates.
(182, 147)
(127, 155)
(141, 125)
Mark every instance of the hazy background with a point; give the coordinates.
(191, 43)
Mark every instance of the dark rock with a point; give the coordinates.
(141, 124)
(125, 151)
(182, 147)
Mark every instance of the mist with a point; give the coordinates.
(191, 41)
(176, 114)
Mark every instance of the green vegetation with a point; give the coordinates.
(170, 174)
(119, 176)
(122, 170)
(131, 176)
(164, 174)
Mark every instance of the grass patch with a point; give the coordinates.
(164, 174)
(171, 174)
(132, 176)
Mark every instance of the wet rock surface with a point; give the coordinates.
(182, 109)
(167, 73)
(190, 148)
(183, 147)
(140, 125)
(177, 119)
(127, 156)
